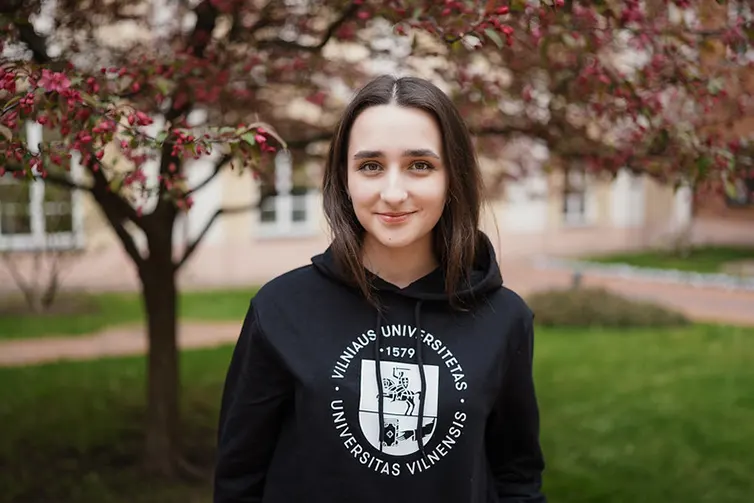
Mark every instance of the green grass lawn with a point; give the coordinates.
(112, 309)
(707, 259)
(651, 416)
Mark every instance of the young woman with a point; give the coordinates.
(395, 367)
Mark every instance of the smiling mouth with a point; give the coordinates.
(395, 218)
(397, 215)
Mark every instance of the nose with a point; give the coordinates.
(393, 191)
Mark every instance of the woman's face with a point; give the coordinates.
(397, 180)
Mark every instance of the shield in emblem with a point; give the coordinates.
(401, 389)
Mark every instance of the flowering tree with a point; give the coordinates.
(648, 86)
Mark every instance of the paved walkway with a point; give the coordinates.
(704, 304)
(112, 342)
(701, 304)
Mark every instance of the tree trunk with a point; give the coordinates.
(160, 302)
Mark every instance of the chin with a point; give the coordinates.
(396, 243)
(397, 240)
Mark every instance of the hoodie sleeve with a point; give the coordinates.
(257, 390)
(513, 447)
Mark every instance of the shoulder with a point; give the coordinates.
(285, 297)
(511, 301)
(287, 286)
(512, 307)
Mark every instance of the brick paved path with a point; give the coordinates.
(701, 304)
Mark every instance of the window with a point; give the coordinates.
(15, 217)
(35, 215)
(289, 210)
(575, 197)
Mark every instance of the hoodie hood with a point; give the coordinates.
(484, 278)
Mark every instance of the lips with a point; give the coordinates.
(395, 217)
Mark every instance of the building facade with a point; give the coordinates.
(537, 215)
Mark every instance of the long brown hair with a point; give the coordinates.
(456, 237)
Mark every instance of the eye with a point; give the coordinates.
(370, 167)
(422, 166)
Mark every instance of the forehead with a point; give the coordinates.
(391, 128)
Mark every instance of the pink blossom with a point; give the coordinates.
(54, 81)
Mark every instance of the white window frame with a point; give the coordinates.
(38, 239)
(284, 202)
(284, 225)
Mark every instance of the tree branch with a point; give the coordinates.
(191, 248)
(35, 42)
(113, 206)
(541, 131)
(201, 36)
(116, 210)
(54, 178)
(18, 278)
(305, 142)
(294, 46)
(218, 167)
(127, 240)
(237, 29)
(38, 45)
(121, 208)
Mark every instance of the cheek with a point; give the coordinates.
(433, 196)
(361, 193)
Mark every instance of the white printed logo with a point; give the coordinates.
(400, 379)
(401, 389)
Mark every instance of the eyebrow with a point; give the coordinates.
(419, 152)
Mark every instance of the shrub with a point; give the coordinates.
(580, 307)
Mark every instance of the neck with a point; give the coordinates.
(399, 266)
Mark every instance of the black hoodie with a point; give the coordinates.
(455, 419)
